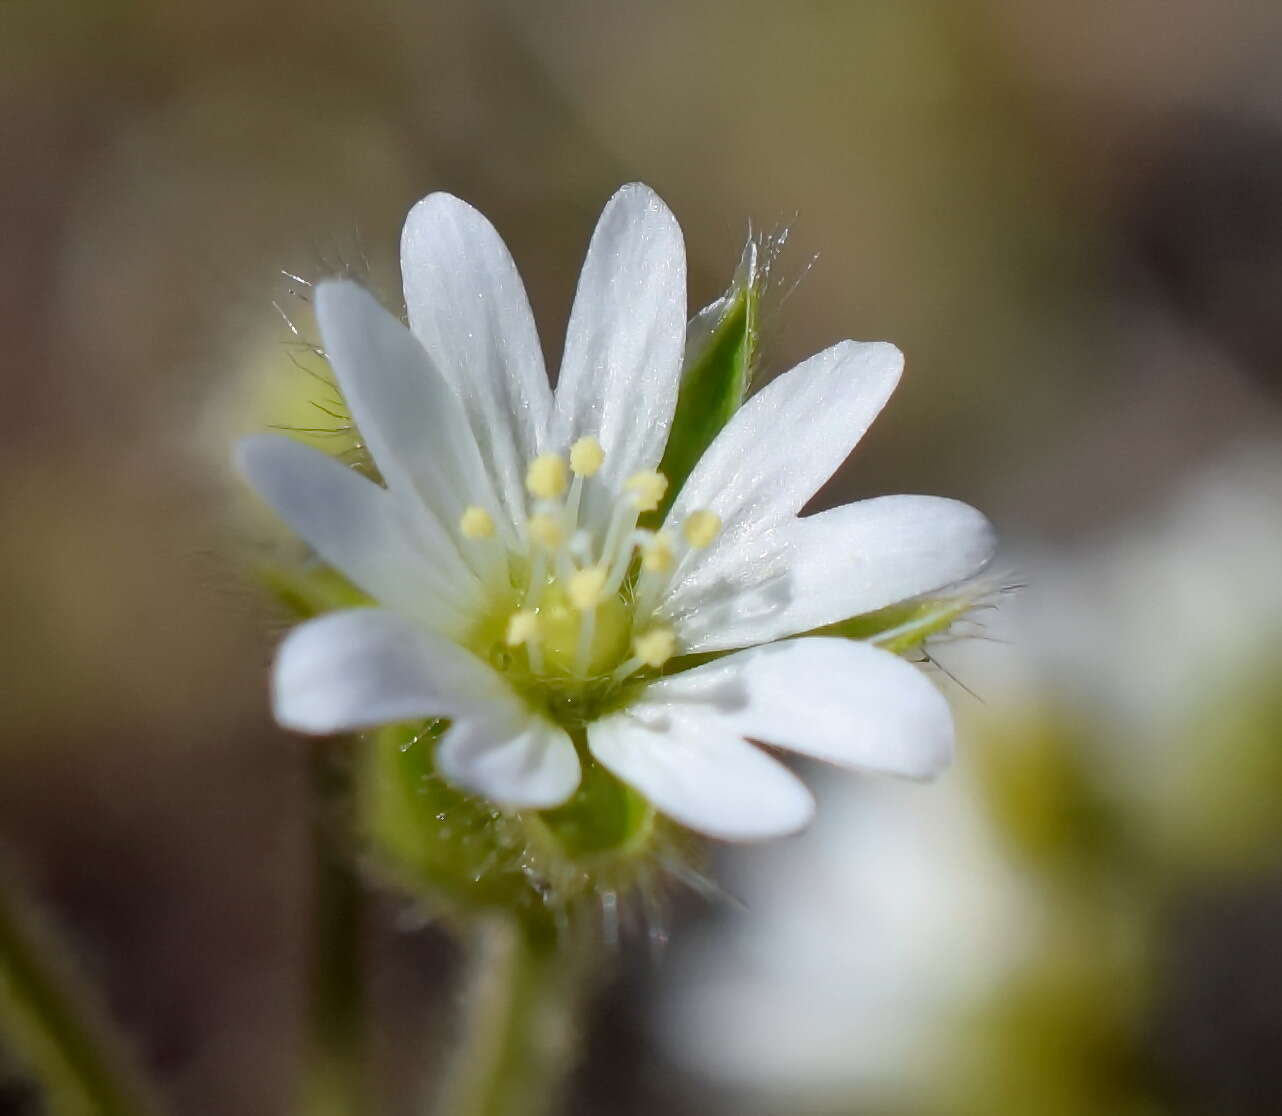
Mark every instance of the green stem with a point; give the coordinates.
(54, 1025)
(524, 990)
(333, 1082)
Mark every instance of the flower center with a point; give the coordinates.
(579, 617)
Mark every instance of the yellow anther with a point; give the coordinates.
(656, 553)
(647, 488)
(701, 527)
(546, 477)
(522, 627)
(586, 456)
(655, 647)
(547, 531)
(476, 523)
(585, 587)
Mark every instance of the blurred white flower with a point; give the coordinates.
(1156, 636)
(864, 944)
(516, 594)
(1181, 601)
(868, 941)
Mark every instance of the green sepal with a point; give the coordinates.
(721, 345)
(904, 627)
(901, 628)
(465, 855)
(437, 841)
(604, 819)
(457, 850)
(312, 591)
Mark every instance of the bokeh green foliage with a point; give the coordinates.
(1225, 813)
(53, 1024)
(1063, 1032)
(1071, 1030)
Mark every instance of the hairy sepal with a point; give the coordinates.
(905, 627)
(456, 851)
(721, 346)
(465, 856)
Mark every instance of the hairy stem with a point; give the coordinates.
(54, 1025)
(523, 991)
(333, 1082)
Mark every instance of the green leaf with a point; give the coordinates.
(721, 344)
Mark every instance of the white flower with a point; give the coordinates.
(1159, 635)
(865, 949)
(501, 549)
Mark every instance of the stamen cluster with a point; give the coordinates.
(586, 598)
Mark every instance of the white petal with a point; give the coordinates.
(624, 345)
(872, 553)
(364, 667)
(790, 437)
(367, 667)
(357, 527)
(836, 564)
(772, 456)
(511, 757)
(467, 305)
(408, 415)
(843, 701)
(701, 774)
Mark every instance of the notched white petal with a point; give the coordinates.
(468, 307)
(626, 337)
(513, 759)
(701, 774)
(789, 438)
(364, 667)
(866, 555)
(367, 667)
(837, 564)
(409, 416)
(772, 457)
(357, 527)
(838, 700)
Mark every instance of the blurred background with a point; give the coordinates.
(1069, 216)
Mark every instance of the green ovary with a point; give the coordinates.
(566, 687)
(561, 628)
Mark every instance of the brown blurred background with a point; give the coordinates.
(1069, 216)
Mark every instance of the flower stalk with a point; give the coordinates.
(333, 1080)
(522, 993)
(55, 1027)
